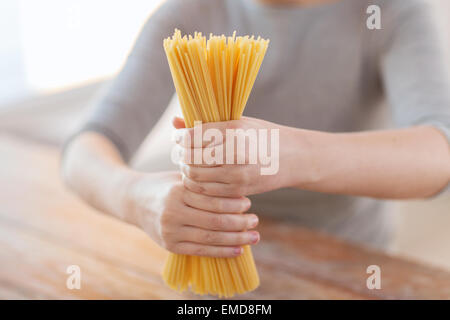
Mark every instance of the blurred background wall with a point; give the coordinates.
(51, 45)
(55, 56)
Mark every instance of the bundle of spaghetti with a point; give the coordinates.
(213, 80)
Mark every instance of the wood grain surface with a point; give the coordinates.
(44, 229)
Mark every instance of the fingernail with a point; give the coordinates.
(254, 237)
(247, 204)
(253, 222)
(238, 251)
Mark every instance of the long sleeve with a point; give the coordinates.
(138, 96)
(415, 71)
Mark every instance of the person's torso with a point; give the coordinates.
(320, 73)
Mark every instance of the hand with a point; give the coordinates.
(236, 180)
(185, 222)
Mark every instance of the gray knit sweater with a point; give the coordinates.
(324, 70)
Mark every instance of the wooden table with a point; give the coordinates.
(44, 229)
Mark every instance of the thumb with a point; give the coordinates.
(178, 123)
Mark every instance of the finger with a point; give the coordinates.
(218, 238)
(201, 157)
(207, 174)
(195, 249)
(215, 189)
(218, 221)
(218, 154)
(230, 174)
(216, 204)
(178, 123)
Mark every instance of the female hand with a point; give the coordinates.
(244, 178)
(185, 222)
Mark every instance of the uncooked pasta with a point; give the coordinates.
(213, 79)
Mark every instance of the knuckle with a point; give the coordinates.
(166, 233)
(238, 224)
(238, 190)
(209, 237)
(187, 197)
(242, 224)
(170, 246)
(168, 214)
(242, 238)
(238, 238)
(218, 204)
(217, 221)
(193, 185)
(192, 173)
(166, 218)
(229, 222)
(200, 251)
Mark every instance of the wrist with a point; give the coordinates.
(306, 164)
(122, 195)
(140, 195)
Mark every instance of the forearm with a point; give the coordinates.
(158, 203)
(93, 168)
(406, 163)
